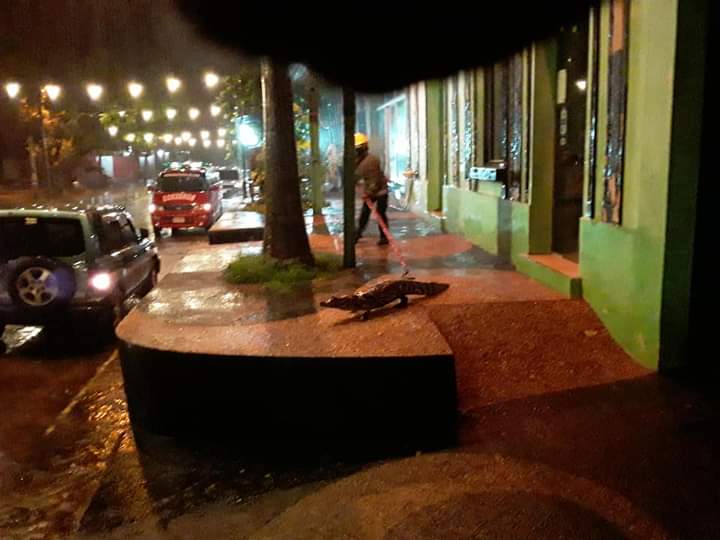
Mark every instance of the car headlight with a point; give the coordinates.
(102, 281)
(152, 207)
(207, 207)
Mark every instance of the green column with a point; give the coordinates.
(434, 98)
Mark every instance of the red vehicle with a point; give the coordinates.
(185, 198)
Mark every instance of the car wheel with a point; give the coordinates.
(40, 284)
(158, 232)
(105, 330)
(174, 232)
(150, 282)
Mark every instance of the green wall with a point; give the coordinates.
(685, 148)
(622, 266)
(636, 276)
(542, 145)
(496, 225)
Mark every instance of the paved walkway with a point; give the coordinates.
(562, 435)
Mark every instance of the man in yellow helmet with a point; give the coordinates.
(368, 169)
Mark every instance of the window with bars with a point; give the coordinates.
(505, 130)
(459, 137)
(617, 102)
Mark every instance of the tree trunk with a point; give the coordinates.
(285, 237)
(349, 178)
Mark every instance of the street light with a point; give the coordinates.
(173, 84)
(149, 137)
(178, 141)
(247, 135)
(52, 91)
(204, 134)
(215, 110)
(170, 113)
(211, 79)
(207, 143)
(222, 132)
(94, 91)
(193, 113)
(113, 130)
(220, 143)
(147, 115)
(167, 138)
(122, 114)
(135, 89)
(192, 142)
(130, 137)
(12, 89)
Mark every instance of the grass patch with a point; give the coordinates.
(281, 275)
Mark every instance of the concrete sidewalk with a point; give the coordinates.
(562, 435)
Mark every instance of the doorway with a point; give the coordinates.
(570, 110)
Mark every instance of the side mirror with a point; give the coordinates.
(144, 233)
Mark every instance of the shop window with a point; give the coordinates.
(617, 102)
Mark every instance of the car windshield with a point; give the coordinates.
(169, 184)
(34, 236)
(229, 175)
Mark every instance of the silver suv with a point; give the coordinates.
(72, 270)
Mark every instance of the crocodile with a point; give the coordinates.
(383, 294)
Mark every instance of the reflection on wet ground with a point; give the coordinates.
(195, 293)
(213, 302)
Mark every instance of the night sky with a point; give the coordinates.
(105, 41)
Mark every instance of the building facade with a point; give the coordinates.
(597, 136)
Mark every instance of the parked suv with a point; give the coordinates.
(71, 269)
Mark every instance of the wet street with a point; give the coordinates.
(64, 417)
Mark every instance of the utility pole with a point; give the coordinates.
(315, 166)
(43, 135)
(349, 178)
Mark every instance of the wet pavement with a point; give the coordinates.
(63, 410)
(561, 435)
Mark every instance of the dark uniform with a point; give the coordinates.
(376, 190)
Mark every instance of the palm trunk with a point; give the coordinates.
(285, 237)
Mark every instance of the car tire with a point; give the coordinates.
(40, 284)
(158, 233)
(174, 232)
(150, 282)
(105, 328)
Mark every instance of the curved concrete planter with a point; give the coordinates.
(314, 375)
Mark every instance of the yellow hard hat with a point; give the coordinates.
(361, 139)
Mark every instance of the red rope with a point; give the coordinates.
(390, 237)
